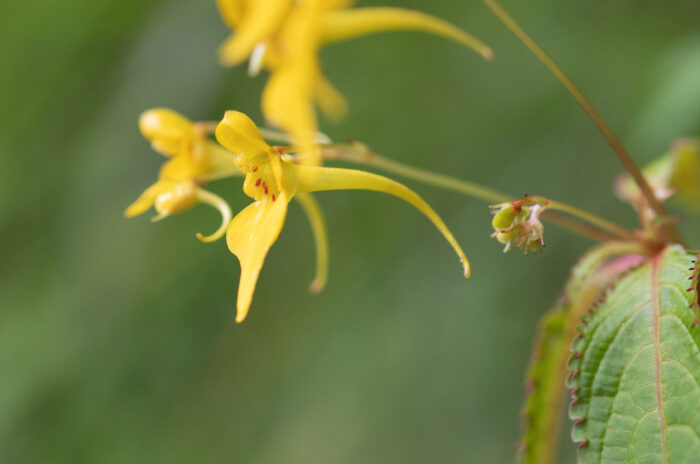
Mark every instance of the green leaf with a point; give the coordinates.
(635, 373)
(545, 382)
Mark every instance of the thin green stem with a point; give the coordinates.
(450, 183)
(271, 134)
(361, 154)
(579, 227)
(601, 223)
(670, 229)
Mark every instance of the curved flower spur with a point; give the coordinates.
(272, 179)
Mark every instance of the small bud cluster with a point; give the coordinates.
(517, 225)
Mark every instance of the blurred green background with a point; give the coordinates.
(117, 337)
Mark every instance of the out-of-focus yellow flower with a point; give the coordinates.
(272, 180)
(194, 160)
(285, 36)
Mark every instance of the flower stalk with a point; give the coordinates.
(669, 228)
(599, 229)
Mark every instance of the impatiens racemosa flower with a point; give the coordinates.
(194, 159)
(285, 36)
(517, 224)
(272, 180)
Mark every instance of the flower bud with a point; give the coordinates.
(181, 196)
(505, 217)
(168, 131)
(516, 224)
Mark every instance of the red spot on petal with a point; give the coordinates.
(257, 183)
(273, 197)
(255, 168)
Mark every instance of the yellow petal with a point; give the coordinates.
(350, 179)
(250, 235)
(288, 98)
(347, 24)
(318, 228)
(262, 20)
(168, 131)
(175, 198)
(238, 133)
(146, 200)
(181, 168)
(232, 11)
(287, 102)
(330, 100)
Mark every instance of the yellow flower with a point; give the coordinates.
(272, 180)
(285, 36)
(194, 159)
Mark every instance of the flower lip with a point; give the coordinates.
(261, 163)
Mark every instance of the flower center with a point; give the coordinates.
(260, 182)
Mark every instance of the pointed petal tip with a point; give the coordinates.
(229, 54)
(316, 287)
(488, 53)
(159, 217)
(241, 315)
